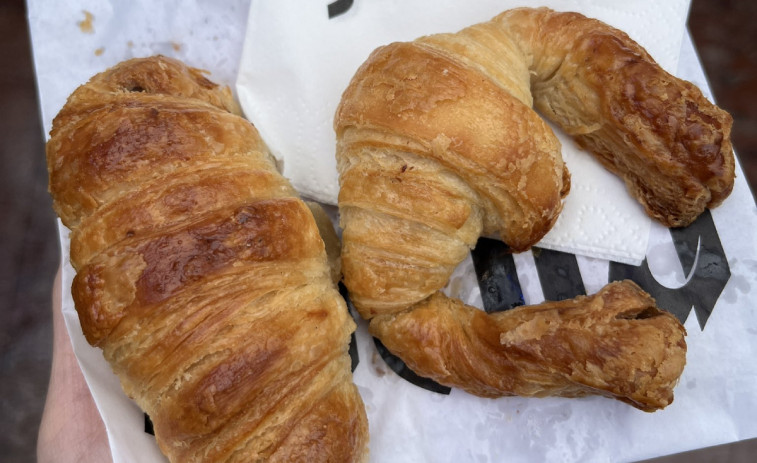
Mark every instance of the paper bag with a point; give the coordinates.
(705, 274)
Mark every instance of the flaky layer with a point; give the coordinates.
(615, 343)
(438, 144)
(659, 133)
(200, 273)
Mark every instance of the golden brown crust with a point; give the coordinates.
(159, 265)
(659, 133)
(469, 125)
(160, 204)
(200, 273)
(425, 140)
(615, 343)
(138, 141)
(437, 144)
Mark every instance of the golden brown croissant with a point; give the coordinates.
(200, 273)
(437, 145)
(615, 343)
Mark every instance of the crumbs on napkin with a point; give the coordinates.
(86, 25)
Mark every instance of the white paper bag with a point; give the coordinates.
(705, 274)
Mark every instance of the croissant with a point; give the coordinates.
(438, 144)
(200, 273)
(616, 343)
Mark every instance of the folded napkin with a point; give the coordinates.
(297, 60)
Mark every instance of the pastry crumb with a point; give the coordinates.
(86, 25)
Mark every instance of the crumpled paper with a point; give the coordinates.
(297, 62)
(715, 401)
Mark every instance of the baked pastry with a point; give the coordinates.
(438, 144)
(616, 343)
(200, 273)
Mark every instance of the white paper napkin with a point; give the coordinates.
(296, 62)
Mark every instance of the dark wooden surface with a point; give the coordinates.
(723, 33)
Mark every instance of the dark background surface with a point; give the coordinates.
(29, 253)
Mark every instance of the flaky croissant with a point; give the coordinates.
(200, 273)
(616, 343)
(437, 145)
